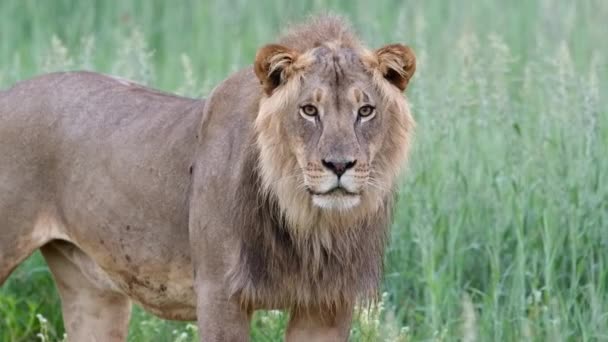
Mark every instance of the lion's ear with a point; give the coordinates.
(397, 63)
(272, 65)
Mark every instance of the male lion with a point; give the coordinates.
(274, 193)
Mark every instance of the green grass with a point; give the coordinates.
(501, 232)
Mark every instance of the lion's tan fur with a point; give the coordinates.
(197, 208)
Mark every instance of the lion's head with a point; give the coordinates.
(333, 127)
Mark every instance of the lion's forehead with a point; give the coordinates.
(337, 75)
(342, 65)
(333, 52)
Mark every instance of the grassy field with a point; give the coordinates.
(501, 232)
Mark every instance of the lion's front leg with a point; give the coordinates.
(219, 318)
(319, 325)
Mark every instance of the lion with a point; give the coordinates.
(274, 192)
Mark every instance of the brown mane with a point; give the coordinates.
(330, 260)
(277, 267)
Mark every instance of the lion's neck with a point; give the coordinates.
(280, 265)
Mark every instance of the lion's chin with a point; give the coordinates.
(336, 201)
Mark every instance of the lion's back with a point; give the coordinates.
(65, 137)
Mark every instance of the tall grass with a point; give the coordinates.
(501, 232)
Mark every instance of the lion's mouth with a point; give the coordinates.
(336, 191)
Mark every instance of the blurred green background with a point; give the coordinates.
(501, 232)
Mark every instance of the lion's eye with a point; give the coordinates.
(366, 111)
(310, 110)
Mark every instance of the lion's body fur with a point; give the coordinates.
(137, 189)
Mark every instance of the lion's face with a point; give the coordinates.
(332, 119)
(336, 124)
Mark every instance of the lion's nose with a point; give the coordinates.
(338, 167)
